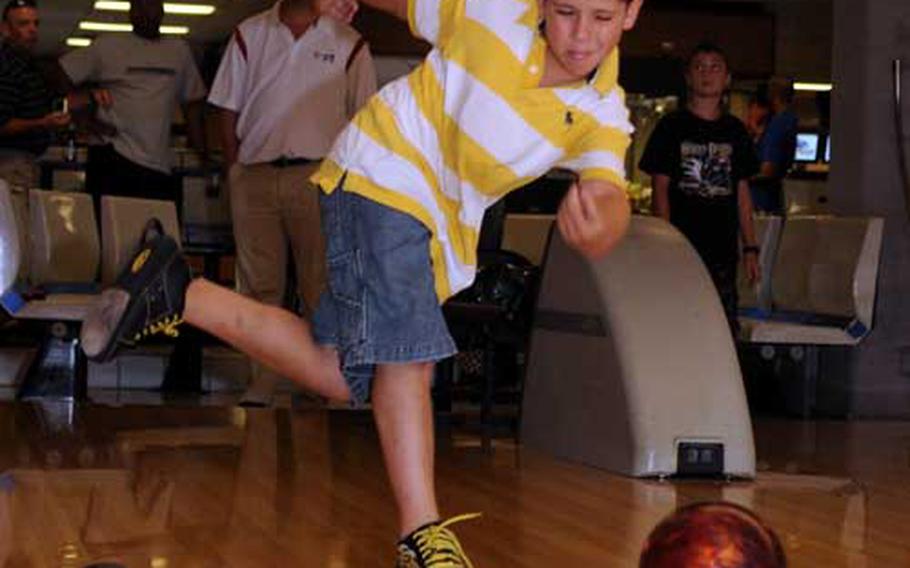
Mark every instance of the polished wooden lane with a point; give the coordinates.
(201, 486)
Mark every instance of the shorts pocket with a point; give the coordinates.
(345, 278)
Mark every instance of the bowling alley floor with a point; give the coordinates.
(204, 485)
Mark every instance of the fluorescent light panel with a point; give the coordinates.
(78, 41)
(114, 27)
(169, 8)
(817, 87)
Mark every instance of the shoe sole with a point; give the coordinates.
(99, 326)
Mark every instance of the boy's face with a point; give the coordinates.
(581, 33)
(21, 27)
(708, 75)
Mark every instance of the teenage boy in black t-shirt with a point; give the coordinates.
(700, 159)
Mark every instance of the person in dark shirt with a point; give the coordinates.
(700, 159)
(776, 147)
(27, 119)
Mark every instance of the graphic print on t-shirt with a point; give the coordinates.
(706, 169)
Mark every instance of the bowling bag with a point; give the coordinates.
(507, 280)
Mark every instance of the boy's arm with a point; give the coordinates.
(747, 232)
(660, 196)
(593, 217)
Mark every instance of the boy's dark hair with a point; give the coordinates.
(14, 4)
(707, 47)
(718, 534)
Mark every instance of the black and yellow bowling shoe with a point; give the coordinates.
(146, 299)
(433, 545)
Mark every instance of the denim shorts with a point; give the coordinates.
(380, 305)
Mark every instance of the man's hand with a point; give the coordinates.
(87, 99)
(102, 98)
(341, 10)
(592, 217)
(753, 270)
(56, 120)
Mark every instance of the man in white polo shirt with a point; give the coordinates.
(288, 83)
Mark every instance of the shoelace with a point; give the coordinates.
(440, 548)
(167, 326)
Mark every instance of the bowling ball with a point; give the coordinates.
(712, 535)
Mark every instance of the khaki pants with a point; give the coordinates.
(273, 210)
(20, 171)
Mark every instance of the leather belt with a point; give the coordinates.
(285, 162)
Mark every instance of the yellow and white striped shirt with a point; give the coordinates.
(471, 124)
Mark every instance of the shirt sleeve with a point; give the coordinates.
(83, 64)
(659, 157)
(227, 90)
(192, 87)
(361, 78)
(779, 142)
(435, 20)
(599, 153)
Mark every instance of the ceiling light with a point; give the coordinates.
(169, 8)
(174, 30)
(817, 87)
(78, 41)
(113, 27)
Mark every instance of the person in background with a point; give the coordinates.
(288, 83)
(776, 147)
(758, 113)
(700, 159)
(147, 76)
(31, 114)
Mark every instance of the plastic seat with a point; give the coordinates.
(64, 238)
(122, 222)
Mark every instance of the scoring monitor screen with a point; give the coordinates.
(806, 147)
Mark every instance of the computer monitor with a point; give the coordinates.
(806, 147)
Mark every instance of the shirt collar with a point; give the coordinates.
(607, 75)
(275, 13)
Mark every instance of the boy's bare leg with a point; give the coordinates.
(404, 417)
(272, 336)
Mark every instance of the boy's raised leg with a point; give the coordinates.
(274, 337)
(155, 294)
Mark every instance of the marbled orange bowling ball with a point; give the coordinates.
(712, 535)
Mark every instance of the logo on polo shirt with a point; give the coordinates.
(324, 56)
